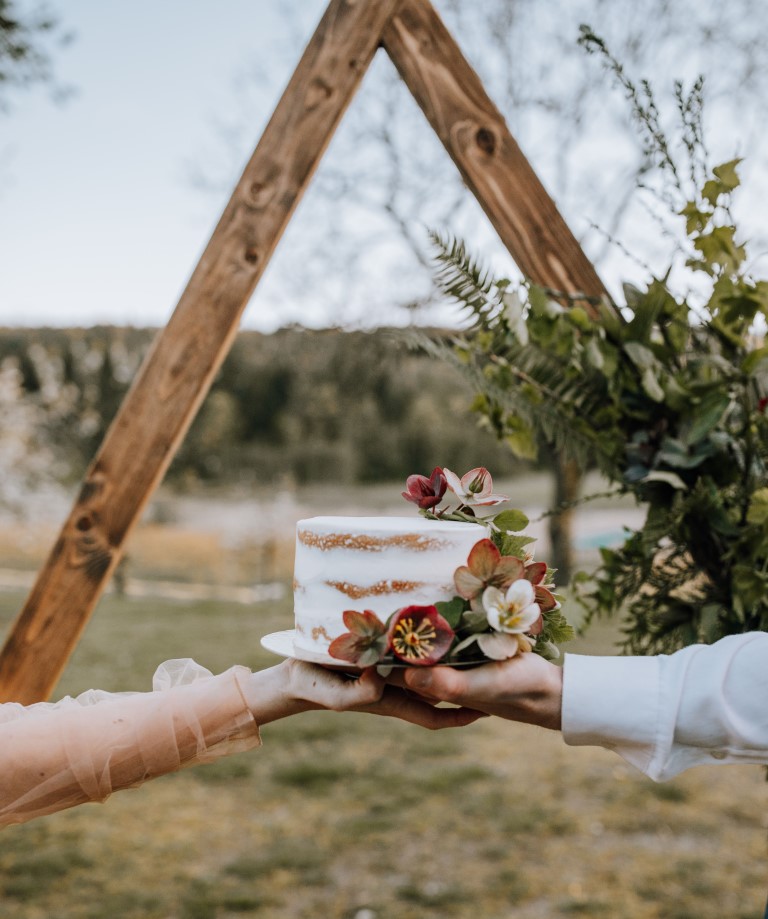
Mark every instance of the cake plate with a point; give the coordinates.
(282, 643)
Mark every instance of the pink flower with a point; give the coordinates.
(476, 487)
(419, 635)
(366, 641)
(426, 492)
(486, 567)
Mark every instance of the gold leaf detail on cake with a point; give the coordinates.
(361, 542)
(380, 589)
(319, 631)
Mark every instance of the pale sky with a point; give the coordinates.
(100, 221)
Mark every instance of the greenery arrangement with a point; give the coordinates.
(666, 393)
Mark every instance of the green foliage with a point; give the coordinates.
(666, 393)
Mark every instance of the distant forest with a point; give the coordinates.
(295, 406)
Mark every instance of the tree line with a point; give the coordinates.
(296, 406)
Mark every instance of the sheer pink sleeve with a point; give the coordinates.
(53, 756)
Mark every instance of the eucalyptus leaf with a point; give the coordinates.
(511, 521)
(676, 454)
(706, 415)
(670, 478)
(652, 386)
(633, 296)
(642, 357)
(594, 354)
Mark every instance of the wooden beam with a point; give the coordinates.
(476, 136)
(185, 356)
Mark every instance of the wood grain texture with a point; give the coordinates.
(492, 165)
(185, 356)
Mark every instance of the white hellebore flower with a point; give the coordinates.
(475, 487)
(510, 615)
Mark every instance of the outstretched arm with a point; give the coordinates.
(56, 756)
(663, 714)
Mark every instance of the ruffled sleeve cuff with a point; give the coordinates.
(54, 756)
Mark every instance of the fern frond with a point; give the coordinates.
(552, 416)
(465, 279)
(535, 389)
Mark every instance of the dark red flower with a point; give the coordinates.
(419, 635)
(426, 492)
(366, 641)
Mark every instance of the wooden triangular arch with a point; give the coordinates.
(179, 369)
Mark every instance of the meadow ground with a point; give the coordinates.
(354, 817)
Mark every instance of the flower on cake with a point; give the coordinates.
(419, 635)
(415, 635)
(474, 487)
(426, 492)
(487, 567)
(504, 603)
(366, 641)
(510, 615)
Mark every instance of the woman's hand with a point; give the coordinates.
(294, 686)
(525, 688)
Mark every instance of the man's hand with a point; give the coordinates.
(525, 688)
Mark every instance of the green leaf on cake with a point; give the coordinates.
(512, 521)
(451, 610)
(515, 545)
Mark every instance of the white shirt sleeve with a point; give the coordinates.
(663, 714)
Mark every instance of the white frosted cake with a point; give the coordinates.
(376, 563)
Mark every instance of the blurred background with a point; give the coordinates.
(123, 129)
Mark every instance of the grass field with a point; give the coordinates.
(360, 818)
(354, 817)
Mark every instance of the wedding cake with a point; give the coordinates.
(371, 563)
